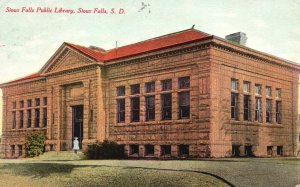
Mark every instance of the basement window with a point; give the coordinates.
(183, 150)
(149, 150)
(12, 151)
(235, 152)
(20, 147)
(134, 150)
(165, 150)
(248, 151)
(270, 150)
(280, 150)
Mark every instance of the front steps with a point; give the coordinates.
(61, 155)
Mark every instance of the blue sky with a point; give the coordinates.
(27, 40)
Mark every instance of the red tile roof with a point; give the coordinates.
(31, 76)
(136, 48)
(155, 44)
(89, 52)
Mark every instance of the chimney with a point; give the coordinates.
(97, 49)
(238, 37)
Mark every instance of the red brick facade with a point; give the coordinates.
(193, 120)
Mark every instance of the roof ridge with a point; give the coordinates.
(158, 37)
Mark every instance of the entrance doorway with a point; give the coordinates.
(77, 124)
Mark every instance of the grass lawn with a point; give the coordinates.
(90, 173)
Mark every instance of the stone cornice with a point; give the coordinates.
(252, 54)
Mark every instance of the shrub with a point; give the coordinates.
(34, 144)
(105, 150)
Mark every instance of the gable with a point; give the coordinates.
(65, 58)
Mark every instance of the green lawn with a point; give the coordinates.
(89, 173)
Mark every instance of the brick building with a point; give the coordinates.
(183, 94)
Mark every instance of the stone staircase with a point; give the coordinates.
(62, 155)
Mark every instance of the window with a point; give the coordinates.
(20, 147)
(121, 91)
(36, 118)
(150, 108)
(13, 120)
(268, 91)
(235, 150)
(133, 150)
(150, 87)
(246, 87)
(135, 89)
(234, 108)
(37, 101)
(257, 89)
(268, 110)
(21, 119)
(184, 82)
(44, 117)
(22, 104)
(149, 150)
(184, 105)
(278, 93)
(183, 150)
(166, 106)
(28, 118)
(280, 150)
(45, 102)
(14, 105)
(270, 150)
(166, 85)
(258, 112)
(234, 85)
(12, 150)
(248, 151)
(165, 150)
(29, 103)
(278, 112)
(246, 107)
(121, 110)
(135, 109)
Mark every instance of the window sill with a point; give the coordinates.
(251, 123)
(165, 122)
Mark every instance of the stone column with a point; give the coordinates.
(86, 112)
(156, 150)
(174, 151)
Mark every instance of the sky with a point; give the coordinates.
(29, 39)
